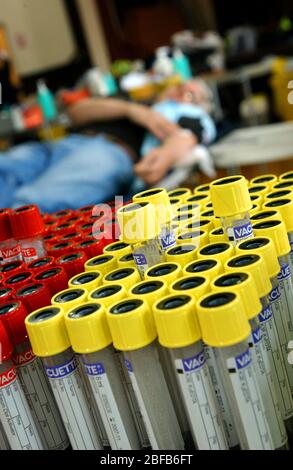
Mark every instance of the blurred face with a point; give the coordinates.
(190, 92)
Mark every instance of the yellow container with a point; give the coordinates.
(281, 93)
(209, 268)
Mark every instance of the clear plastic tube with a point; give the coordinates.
(32, 249)
(237, 228)
(147, 255)
(10, 251)
(4, 444)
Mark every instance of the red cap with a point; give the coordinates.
(64, 228)
(73, 263)
(84, 227)
(51, 239)
(6, 294)
(27, 222)
(6, 345)
(9, 269)
(74, 219)
(34, 296)
(19, 280)
(63, 214)
(74, 237)
(40, 264)
(55, 279)
(60, 249)
(5, 227)
(86, 210)
(1, 279)
(13, 315)
(91, 247)
(51, 224)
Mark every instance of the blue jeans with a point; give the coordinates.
(76, 171)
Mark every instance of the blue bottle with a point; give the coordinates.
(182, 65)
(46, 101)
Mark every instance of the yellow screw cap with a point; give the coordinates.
(175, 203)
(199, 224)
(47, 332)
(285, 207)
(261, 190)
(88, 281)
(265, 214)
(217, 236)
(199, 198)
(150, 291)
(192, 208)
(222, 319)
(176, 321)
(230, 196)
(127, 277)
(108, 295)
(103, 263)
(166, 272)
(267, 180)
(286, 176)
(276, 230)
(138, 223)
(87, 328)
(255, 208)
(181, 254)
(117, 249)
(241, 283)
(203, 188)
(180, 193)
(126, 261)
(264, 247)
(70, 298)
(131, 324)
(160, 199)
(256, 266)
(281, 194)
(209, 268)
(187, 218)
(218, 251)
(198, 238)
(256, 199)
(283, 185)
(193, 285)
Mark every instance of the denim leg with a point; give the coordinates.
(94, 171)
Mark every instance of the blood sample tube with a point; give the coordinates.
(54, 278)
(182, 254)
(9, 248)
(73, 263)
(180, 193)
(286, 176)
(28, 228)
(126, 261)
(69, 298)
(133, 331)
(199, 238)
(88, 281)
(49, 340)
(91, 247)
(217, 236)
(61, 249)
(6, 294)
(15, 414)
(103, 263)
(19, 280)
(267, 180)
(40, 264)
(220, 251)
(126, 277)
(166, 272)
(10, 269)
(108, 295)
(208, 268)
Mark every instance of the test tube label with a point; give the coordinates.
(240, 232)
(265, 380)
(11, 254)
(107, 406)
(4, 445)
(222, 398)
(167, 240)
(68, 390)
(29, 254)
(145, 417)
(140, 260)
(39, 396)
(249, 401)
(197, 390)
(273, 347)
(15, 415)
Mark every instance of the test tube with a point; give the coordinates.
(10, 269)
(231, 202)
(285, 207)
(196, 223)
(4, 444)
(208, 268)
(103, 263)
(264, 246)
(69, 298)
(126, 261)
(73, 263)
(41, 264)
(19, 280)
(140, 228)
(28, 228)
(50, 342)
(88, 281)
(192, 285)
(243, 283)
(286, 176)
(9, 248)
(15, 415)
(267, 180)
(167, 272)
(197, 237)
(217, 236)
(179, 332)
(220, 251)
(180, 193)
(283, 185)
(6, 294)
(108, 295)
(260, 190)
(225, 327)
(182, 254)
(55, 279)
(203, 188)
(117, 249)
(281, 194)
(265, 214)
(133, 331)
(126, 277)
(164, 214)
(33, 380)
(90, 336)
(201, 199)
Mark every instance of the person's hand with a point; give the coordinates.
(151, 120)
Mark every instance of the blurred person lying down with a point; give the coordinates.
(114, 142)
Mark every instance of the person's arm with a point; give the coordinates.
(154, 166)
(92, 109)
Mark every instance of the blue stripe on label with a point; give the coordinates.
(243, 360)
(128, 365)
(95, 369)
(243, 231)
(257, 335)
(194, 363)
(266, 314)
(284, 273)
(59, 372)
(167, 240)
(275, 294)
(140, 260)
